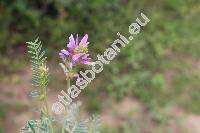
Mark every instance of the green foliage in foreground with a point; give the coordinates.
(69, 118)
(37, 59)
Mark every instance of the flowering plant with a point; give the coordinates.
(76, 53)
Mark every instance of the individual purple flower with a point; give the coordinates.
(77, 53)
(64, 54)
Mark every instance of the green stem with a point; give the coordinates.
(46, 109)
(68, 85)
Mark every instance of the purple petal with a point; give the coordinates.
(76, 39)
(87, 62)
(84, 40)
(85, 57)
(65, 52)
(63, 56)
(71, 44)
(77, 56)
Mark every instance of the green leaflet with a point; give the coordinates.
(38, 58)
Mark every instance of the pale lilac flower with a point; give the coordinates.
(77, 53)
(64, 54)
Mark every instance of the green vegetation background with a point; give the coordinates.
(159, 67)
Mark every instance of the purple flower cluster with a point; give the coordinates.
(77, 53)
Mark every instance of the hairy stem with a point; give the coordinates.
(46, 108)
(63, 127)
